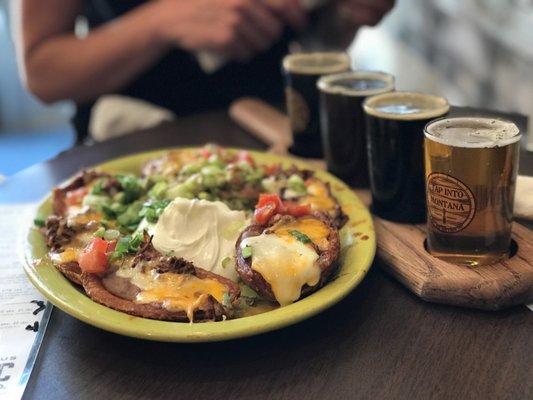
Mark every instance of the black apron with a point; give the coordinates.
(178, 83)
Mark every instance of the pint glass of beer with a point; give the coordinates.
(395, 140)
(471, 166)
(301, 72)
(343, 121)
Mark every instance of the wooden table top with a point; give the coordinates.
(380, 342)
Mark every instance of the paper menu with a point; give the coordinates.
(24, 312)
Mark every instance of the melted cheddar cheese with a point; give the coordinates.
(313, 228)
(318, 196)
(70, 254)
(285, 263)
(177, 292)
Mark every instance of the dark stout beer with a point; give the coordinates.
(301, 74)
(471, 166)
(395, 138)
(343, 121)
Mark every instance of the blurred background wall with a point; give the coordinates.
(474, 52)
(29, 131)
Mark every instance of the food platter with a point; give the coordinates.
(355, 260)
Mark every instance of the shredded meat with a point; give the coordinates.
(294, 170)
(150, 257)
(81, 179)
(58, 232)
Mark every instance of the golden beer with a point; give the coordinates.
(471, 165)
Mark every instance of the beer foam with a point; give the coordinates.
(357, 83)
(406, 106)
(319, 63)
(472, 132)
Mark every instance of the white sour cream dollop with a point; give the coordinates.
(201, 231)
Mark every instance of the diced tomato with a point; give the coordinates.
(270, 204)
(263, 214)
(206, 153)
(94, 257)
(271, 169)
(111, 246)
(75, 197)
(296, 210)
(210, 149)
(267, 198)
(267, 206)
(245, 156)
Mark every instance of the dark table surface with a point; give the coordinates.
(379, 342)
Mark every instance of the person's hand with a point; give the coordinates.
(364, 12)
(290, 11)
(235, 28)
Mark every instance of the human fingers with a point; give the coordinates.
(362, 12)
(290, 11)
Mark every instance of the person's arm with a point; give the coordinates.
(335, 24)
(57, 65)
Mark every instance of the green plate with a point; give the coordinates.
(355, 262)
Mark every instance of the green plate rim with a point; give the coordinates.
(75, 303)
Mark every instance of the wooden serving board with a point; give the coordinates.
(401, 246)
(490, 287)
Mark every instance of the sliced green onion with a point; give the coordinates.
(118, 208)
(152, 210)
(192, 183)
(203, 196)
(246, 252)
(98, 187)
(132, 187)
(128, 244)
(190, 169)
(246, 291)
(39, 221)
(96, 201)
(120, 197)
(111, 234)
(130, 217)
(122, 247)
(158, 191)
(136, 241)
(179, 190)
(100, 232)
(226, 299)
(296, 183)
(302, 237)
(226, 262)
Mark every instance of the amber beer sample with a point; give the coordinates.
(471, 166)
(301, 73)
(343, 121)
(395, 139)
